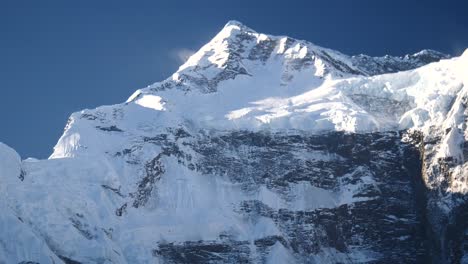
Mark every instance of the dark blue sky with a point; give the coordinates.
(58, 57)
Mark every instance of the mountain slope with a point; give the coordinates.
(259, 149)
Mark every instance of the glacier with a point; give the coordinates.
(259, 149)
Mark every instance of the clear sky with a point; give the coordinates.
(57, 57)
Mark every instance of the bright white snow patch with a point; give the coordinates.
(151, 101)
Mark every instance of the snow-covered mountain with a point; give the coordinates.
(259, 149)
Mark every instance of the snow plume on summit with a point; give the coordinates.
(258, 149)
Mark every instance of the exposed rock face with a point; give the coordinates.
(387, 64)
(445, 212)
(351, 199)
(259, 149)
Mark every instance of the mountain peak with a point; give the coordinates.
(238, 50)
(429, 52)
(254, 130)
(233, 23)
(238, 25)
(232, 29)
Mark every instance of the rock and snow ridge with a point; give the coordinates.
(246, 80)
(213, 164)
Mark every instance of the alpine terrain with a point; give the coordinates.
(259, 149)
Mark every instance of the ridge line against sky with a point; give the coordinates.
(59, 57)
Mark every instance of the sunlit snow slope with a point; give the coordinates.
(259, 149)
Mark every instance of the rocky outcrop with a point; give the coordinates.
(350, 197)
